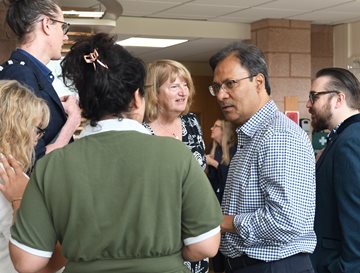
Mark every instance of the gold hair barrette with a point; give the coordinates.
(92, 58)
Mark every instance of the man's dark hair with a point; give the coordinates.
(250, 57)
(345, 81)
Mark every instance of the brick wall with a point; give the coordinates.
(287, 48)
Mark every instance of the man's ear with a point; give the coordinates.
(341, 99)
(260, 81)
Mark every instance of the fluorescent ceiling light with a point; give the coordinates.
(89, 14)
(150, 42)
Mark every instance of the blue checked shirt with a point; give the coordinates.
(270, 189)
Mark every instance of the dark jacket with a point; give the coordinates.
(22, 69)
(337, 216)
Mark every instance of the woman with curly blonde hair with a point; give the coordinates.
(23, 118)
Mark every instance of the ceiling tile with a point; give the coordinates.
(327, 17)
(144, 8)
(348, 7)
(256, 14)
(306, 5)
(196, 11)
(173, 2)
(233, 3)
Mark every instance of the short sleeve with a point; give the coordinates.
(33, 227)
(201, 211)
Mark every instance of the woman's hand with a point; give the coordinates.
(211, 161)
(14, 180)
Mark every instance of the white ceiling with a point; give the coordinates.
(208, 24)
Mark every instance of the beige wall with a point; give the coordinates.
(346, 43)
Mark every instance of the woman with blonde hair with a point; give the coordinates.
(224, 138)
(169, 95)
(23, 119)
(222, 150)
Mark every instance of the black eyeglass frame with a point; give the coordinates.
(65, 26)
(228, 85)
(313, 95)
(39, 132)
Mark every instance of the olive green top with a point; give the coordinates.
(117, 202)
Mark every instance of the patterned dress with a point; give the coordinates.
(192, 138)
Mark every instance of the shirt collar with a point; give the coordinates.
(332, 134)
(342, 125)
(114, 125)
(258, 120)
(42, 67)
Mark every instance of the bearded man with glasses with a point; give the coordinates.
(334, 104)
(41, 31)
(269, 196)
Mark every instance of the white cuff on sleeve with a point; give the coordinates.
(201, 237)
(36, 252)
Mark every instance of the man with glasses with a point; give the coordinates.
(334, 103)
(269, 197)
(41, 31)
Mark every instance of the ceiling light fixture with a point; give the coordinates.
(150, 42)
(87, 14)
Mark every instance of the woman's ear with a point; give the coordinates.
(138, 100)
(138, 106)
(45, 25)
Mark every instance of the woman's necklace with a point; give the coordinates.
(173, 130)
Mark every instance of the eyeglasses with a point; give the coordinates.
(227, 85)
(65, 26)
(216, 126)
(313, 95)
(39, 132)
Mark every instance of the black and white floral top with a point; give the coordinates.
(191, 136)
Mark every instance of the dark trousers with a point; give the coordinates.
(218, 262)
(299, 263)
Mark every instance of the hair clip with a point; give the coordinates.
(92, 58)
